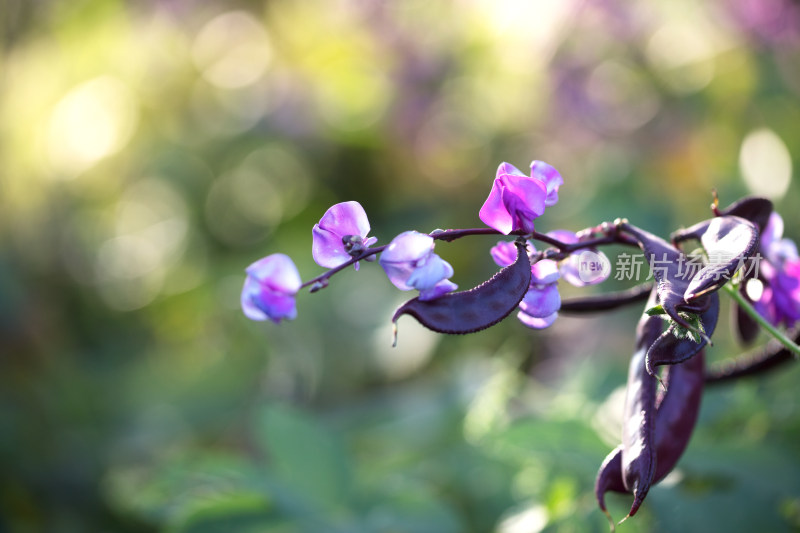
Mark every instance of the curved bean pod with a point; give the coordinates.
(478, 308)
(730, 239)
(638, 458)
(677, 410)
(671, 282)
(753, 208)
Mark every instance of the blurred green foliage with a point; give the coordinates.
(150, 150)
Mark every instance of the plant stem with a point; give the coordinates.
(733, 292)
(561, 251)
(607, 301)
(771, 356)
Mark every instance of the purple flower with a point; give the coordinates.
(515, 199)
(269, 289)
(505, 253)
(588, 266)
(551, 178)
(776, 249)
(779, 301)
(539, 307)
(340, 235)
(410, 263)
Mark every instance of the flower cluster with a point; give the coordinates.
(657, 427)
(539, 308)
(342, 237)
(779, 301)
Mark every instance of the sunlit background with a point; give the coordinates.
(150, 151)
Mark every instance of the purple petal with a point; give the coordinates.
(408, 246)
(544, 272)
(514, 201)
(493, 213)
(346, 218)
(563, 235)
(327, 248)
(524, 199)
(260, 302)
(541, 301)
(440, 289)
(766, 307)
(504, 253)
(403, 255)
(551, 178)
(781, 251)
(251, 288)
(427, 275)
(772, 232)
(537, 323)
(278, 272)
(786, 293)
(506, 169)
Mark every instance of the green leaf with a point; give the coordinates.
(238, 511)
(304, 456)
(567, 443)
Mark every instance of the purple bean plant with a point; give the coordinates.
(742, 250)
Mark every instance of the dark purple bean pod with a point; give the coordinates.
(737, 238)
(730, 238)
(609, 478)
(478, 308)
(638, 455)
(671, 283)
(669, 349)
(677, 410)
(753, 208)
(756, 210)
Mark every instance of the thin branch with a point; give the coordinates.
(773, 355)
(733, 291)
(561, 251)
(607, 301)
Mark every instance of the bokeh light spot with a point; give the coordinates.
(232, 50)
(92, 121)
(765, 163)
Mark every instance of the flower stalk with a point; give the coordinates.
(732, 289)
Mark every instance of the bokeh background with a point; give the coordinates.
(151, 150)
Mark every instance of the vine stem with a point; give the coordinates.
(561, 251)
(733, 292)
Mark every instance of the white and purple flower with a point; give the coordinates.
(410, 263)
(270, 288)
(340, 235)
